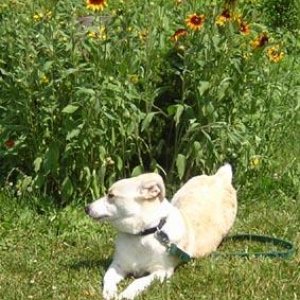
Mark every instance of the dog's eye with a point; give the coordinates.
(110, 196)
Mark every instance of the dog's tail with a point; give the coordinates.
(225, 172)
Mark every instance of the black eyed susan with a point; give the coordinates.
(9, 143)
(224, 17)
(96, 4)
(178, 34)
(260, 41)
(275, 54)
(244, 28)
(195, 21)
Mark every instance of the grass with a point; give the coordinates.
(61, 254)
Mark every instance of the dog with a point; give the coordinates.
(193, 224)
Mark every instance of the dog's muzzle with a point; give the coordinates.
(91, 213)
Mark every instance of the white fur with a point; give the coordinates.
(199, 216)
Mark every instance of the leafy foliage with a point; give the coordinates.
(282, 14)
(89, 97)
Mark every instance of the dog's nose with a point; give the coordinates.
(87, 209)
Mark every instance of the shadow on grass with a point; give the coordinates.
(91, 264)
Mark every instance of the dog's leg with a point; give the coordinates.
(140, 284)
(112, 277)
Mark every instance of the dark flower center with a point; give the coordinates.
(96, 2)
(196, 20)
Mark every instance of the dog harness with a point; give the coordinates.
(164, 239)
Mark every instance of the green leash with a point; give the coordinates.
(286, 252)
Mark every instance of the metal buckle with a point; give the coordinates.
(162, 237)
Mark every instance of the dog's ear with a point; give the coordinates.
(152, 186)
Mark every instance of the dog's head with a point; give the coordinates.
(129, 201)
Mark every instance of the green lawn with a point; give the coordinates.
(63, 255)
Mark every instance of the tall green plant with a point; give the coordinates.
(179, 87)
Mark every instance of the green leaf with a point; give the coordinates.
(95, 188)
(171, 110)
(197, 146)
(203, 87)
(47, 66)
(73, 133)
(120, 164)
(206, 135)
(70, 109)
(179, 111)
(180, 165)
(137, 171)
(85, 91)
(51, 158)
(146, 122)
(37, 164)
(67, 187)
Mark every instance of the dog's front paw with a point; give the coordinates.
(124, 296)
(109, 294)
(127, 295)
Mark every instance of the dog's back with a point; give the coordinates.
(208, 205)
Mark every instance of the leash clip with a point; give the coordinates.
(162, 237)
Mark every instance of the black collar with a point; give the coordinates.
(151, 230)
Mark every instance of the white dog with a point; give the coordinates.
(156, 235)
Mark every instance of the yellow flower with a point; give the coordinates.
(223, 18)
(92, 34)
(96, 4)
(143, 35)
(275, 54)
(100, 34)
(255, 162)
(134, 79)
(220, 21)
(247, 55)
(260, 41)
(44, 79)
(244, 28)
(195, 21)
(48, 14)
(38, 17)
